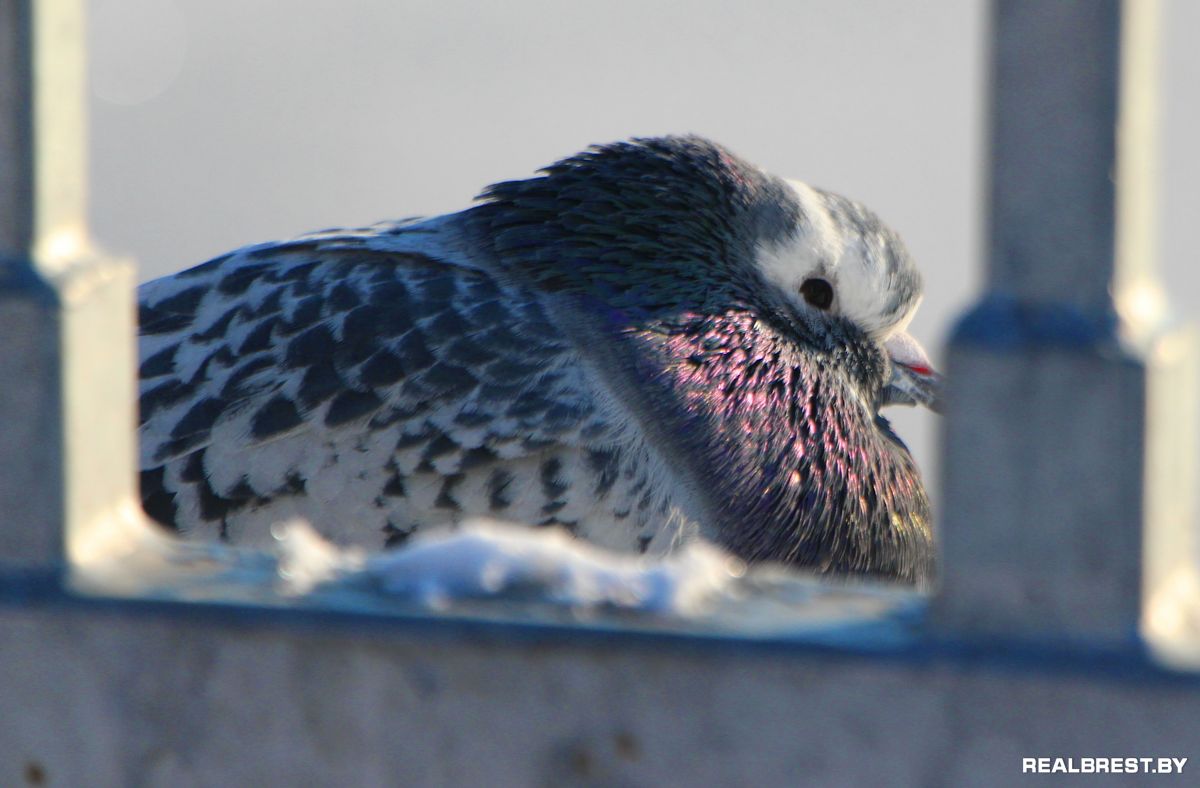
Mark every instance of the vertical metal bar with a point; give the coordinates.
(16, 128)
(1055, 70)
(66, 359)
(1058, 421)
(31, 471)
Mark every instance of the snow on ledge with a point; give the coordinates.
(487, 558)
(502, 573)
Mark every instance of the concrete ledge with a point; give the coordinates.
(183, 694)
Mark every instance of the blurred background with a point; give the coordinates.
(218, 123)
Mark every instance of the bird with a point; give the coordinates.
(649, 342)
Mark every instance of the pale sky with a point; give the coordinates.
(218, 123)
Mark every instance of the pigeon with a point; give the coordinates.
(647, 343)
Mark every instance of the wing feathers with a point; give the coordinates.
(346, 369)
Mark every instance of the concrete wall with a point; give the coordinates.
(171, 696)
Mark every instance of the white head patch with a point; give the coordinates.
(875, 285)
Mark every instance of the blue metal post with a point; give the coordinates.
(1069, 424)
(66, 312)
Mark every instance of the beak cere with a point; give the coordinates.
(913, 380)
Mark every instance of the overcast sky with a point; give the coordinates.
(218, 123)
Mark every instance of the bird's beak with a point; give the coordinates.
(913, 381)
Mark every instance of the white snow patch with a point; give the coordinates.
(486, 558)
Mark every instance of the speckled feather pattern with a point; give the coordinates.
(595, 347)
(373, 392)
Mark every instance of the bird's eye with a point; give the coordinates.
(817, 292)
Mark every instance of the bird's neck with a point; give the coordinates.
(798, 465)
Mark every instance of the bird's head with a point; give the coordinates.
(841, 273)
(659, 226)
